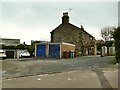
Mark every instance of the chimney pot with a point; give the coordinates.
(65, 18)
(65, 14)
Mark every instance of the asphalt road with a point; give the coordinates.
(25, 67)
(71, 79)
(80, 72)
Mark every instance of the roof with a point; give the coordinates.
(73, 26)
(9, 39)
(55, 28)
(81, 29)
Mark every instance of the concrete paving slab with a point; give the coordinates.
(112, 77)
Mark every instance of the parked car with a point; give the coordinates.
(98, 52)
(24, 54)
(2, 54)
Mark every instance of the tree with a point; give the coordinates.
(116, 36)
(106, 33)
(24, 43)
(8, 47)
(31, 49)
(99, 44)
(109, 43)
(21, 46)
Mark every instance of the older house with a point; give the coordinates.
(69, 33)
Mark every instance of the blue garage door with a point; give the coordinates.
(54, 50)
(41, 51)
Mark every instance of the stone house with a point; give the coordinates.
(69, 33)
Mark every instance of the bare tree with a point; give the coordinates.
(106, 33)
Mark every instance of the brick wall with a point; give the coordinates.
(67, 47)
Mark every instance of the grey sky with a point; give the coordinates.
(35, 20)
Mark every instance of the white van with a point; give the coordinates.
(2, 54)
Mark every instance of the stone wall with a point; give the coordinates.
(69, 33)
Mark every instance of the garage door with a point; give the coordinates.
(10, 54)
(54, 50)
(41, 51)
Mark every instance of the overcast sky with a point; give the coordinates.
(34, 20)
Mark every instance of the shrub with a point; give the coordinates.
(116, 36)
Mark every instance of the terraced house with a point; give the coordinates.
(69, 33)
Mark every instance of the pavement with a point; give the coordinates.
(81, 72)
(112, 77)
(72, 79)
(85, 78)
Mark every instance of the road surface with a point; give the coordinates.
(81, 72)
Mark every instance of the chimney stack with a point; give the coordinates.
(82, 27)
(65, 18)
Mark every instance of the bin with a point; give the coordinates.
(75, 54)
(65, 54)
(71, 54)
